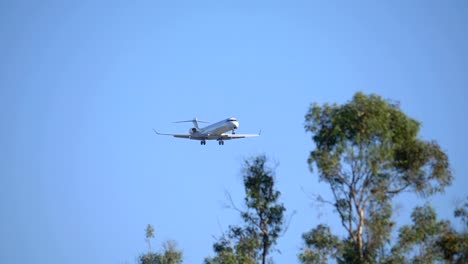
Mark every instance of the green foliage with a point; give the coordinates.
(368, 151)
(149, 235)
(149, 232)
(429, 240)
(320, 245)
(379, 226)
(169, 255)
(263, 218)
(417, 242)
(224, 258)
(149, 258)
(384, 141)
(453, 244)
(239, 245)
(462, 213)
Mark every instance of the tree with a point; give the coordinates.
(150, 257)
(368, 151)
(170, 254)
(263, 218)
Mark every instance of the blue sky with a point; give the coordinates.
(84, 82)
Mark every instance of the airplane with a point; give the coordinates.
(216, 131)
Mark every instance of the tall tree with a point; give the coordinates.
(368, 151)
(263, 217)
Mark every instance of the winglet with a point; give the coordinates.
(156, 132)
(260, 132)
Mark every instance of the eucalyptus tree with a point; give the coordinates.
(368, 151)
(263, 218)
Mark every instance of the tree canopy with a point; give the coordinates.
(368, 151)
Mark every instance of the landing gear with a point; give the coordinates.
(220, 142)
(233, 132)
(203, 142)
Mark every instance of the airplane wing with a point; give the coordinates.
(174, 135)
(237, 136)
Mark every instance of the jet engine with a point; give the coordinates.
(193, 130)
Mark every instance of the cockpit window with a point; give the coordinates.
(232, 119)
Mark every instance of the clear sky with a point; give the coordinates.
(82, 84)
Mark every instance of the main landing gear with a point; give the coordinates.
(220, 142)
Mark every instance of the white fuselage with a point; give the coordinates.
(215, 130)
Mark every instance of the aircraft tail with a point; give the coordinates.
(195, 122)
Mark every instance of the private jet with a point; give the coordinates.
(217, 131)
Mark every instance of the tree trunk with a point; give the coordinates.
(359, 235)
(265, 248)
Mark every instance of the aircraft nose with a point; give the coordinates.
(236, 124)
